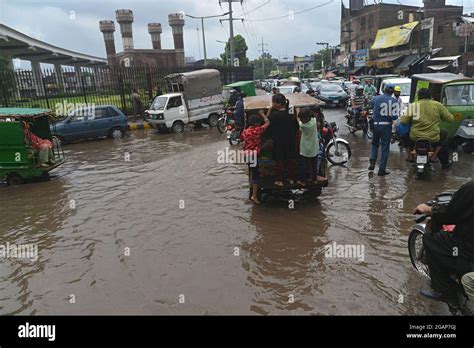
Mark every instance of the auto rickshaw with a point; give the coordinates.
(248, 87)
(456, 92)
(266, 164)
(19, 162)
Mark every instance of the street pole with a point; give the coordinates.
(203, 33)
(263, 56)
(231, 42)
(204, 41)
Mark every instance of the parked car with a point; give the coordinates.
(332, 94)
(288, 89)
(86, 123)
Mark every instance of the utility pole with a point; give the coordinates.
(203, 34)
(231, 28)
(263, 56)
(327, 49)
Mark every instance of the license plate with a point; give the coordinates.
(422, 159)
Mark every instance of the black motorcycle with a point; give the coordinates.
(418, 255)
(363, 124)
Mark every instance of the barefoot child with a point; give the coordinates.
(309, 146)
(252, 137)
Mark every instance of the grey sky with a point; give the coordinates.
(52, 21)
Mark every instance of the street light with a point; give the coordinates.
(327, 48)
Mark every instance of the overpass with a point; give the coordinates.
(14, 44)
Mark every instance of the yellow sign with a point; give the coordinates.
(393, 36)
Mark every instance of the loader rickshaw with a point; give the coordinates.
(266, 164)
(19, 156)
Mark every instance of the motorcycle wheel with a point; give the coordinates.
(221, 126)
(417, 252)
(234, 138)
(340, 154)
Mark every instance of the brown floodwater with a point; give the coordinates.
(172, 224)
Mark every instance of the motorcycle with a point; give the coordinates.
(223, 122)
(337, 150)
(418, 255)
(465, 135)
(422, 153)
(365, 118)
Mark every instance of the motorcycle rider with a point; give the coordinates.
(425, 116)
(449, 253)
(358, 101)
(385, 112)
(369, 90)
(238, 114)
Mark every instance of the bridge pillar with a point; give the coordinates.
(37, 78)
(59, 77)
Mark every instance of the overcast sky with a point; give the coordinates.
(74, 24)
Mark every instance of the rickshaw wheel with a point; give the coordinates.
(45, 176)
(14, 179)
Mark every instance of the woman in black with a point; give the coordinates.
(283, 128)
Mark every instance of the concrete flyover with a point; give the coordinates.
(14, 44)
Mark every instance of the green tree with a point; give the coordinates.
(240, 50)
(322, 55)
(269, 64)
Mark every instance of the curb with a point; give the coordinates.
(135, 126)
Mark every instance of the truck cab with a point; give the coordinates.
(195, 97)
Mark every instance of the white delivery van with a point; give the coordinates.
(194, 96)
(405, 85)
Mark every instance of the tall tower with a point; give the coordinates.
(108, 28)
(155, 31)
(176, 22)
(125, 19)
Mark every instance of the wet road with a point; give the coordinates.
(133, 237)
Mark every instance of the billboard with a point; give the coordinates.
(360, 58)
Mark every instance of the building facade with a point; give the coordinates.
(398, 37)
(156, 56)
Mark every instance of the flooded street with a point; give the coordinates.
(190, 230)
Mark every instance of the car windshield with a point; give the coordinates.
(159, 103)
(286, 90)
(330, 88)
(459, 95)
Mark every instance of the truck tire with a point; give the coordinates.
(177, 127)
(212, 120)
(14, 179)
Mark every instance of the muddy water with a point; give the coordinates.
(111, 232)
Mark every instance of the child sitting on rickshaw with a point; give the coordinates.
(43, 146)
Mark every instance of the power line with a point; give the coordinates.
(295, 13)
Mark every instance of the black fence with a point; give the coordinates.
(56, 90)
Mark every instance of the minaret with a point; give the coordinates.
(108, 28)
(176, 22)
(155, 31)
(125, 19)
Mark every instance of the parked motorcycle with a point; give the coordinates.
(418, 255)
(465, 135)
(364, 122)
(338, 150)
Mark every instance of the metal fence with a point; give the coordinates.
(54, 90)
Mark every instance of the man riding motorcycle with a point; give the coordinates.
(369, 90)
(424, 116)
(448, 253)
(358, 102)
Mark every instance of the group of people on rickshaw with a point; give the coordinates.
(295, 143)
(43, 146)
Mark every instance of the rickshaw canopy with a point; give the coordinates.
(23, 112)
(297, 100)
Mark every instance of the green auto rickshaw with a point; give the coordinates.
(248, 87)
(19, 157)
(456, 92)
